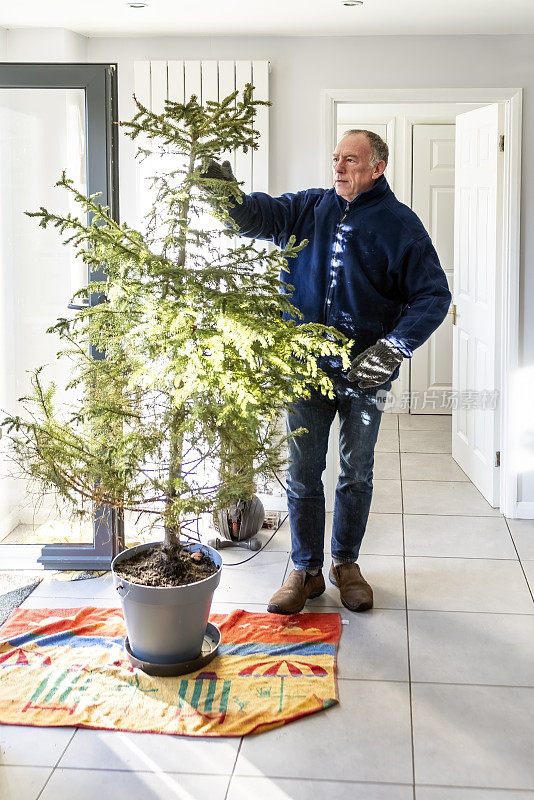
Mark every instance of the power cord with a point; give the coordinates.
(238, 563)
(282, 484)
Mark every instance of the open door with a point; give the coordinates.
(53, 117)
(477, 275)
(433, 202)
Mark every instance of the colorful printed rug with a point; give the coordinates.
(68, 667)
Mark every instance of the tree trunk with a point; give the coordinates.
(171, 543)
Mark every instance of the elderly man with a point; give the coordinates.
(371, 271)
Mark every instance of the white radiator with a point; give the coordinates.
(157, 81)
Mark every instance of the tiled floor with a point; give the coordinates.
(436, 682)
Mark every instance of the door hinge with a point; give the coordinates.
(498, 458)
(454, 313)
(501, 143)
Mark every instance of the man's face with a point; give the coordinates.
(350, 165)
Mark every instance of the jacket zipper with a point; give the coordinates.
(333, 272)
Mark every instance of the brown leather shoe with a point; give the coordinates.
(354, 591)
(292, 596)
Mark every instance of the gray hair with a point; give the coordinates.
(379, 149)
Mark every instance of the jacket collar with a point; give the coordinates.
(368, 198)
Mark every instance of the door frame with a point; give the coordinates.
(511, 98)
(99, 81)
(400, 168)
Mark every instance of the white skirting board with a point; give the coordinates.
(524, 510)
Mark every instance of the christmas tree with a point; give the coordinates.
(201, 350)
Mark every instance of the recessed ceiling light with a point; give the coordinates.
(137, 5)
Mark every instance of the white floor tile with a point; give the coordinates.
(25, 745)
(473, 736)
(425, 441)
(467, 584)
(472, 648)
(227, 608)
(456, 498)
(528, 566)
(115, 750)
(89, 589)
(389, 421)
(383, 535)
(254, 582)
(387, 466)
(365, 738)
(448, 793)
(422, 422)
(522, 531)
(259, 788)
(281, 540)
(81, 784)
(388, 441)
(471, 622)
(386, 576)
(457, 536)
(431, 467)
(240, 558)
(374, 645)
(70, 602)
(386, 497)
(22, 783)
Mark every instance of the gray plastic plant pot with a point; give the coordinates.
(166, 625)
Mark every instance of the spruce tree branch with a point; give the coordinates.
(198, 359)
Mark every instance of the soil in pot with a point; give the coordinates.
(151, 567)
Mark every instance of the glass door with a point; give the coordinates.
(54, 118)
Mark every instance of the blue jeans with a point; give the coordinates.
(359, 421)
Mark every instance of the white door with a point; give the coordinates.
(433, 202)
(477, 265)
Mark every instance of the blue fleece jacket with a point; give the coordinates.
(370, 269)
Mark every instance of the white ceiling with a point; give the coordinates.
(272, 17)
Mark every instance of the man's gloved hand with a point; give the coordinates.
(375, 365)
(220, 172)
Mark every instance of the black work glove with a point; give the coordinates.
(375, 365)
(220, 172)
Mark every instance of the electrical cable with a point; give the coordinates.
(284, 487)
(238, 563)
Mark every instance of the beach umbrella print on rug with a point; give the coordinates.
(283, 669)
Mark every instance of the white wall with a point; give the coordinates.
(304, 67)
(45, 44)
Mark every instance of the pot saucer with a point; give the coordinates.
(210, 647)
